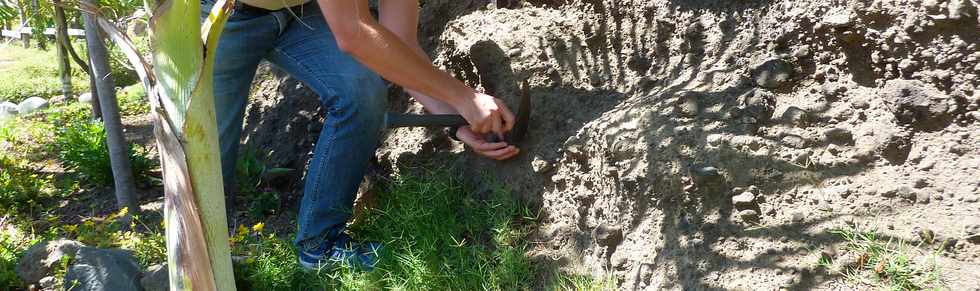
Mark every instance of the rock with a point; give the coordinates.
(47, 282)
(608, 235)
(744, 200)
(156, 278)
(918, 104)
(773, 73)
(85, 97)
(39, 258)
(889, 191)
(798, 217)
(904, 192)
(926, 235)
(922, 197)
(961, 9)
(706, 174)
(749, 215)
(907, 192)
(32, 104)
(894, 146)
(794, 141)
(103, 269)
(838, 136)
(839, 191)
(759, 105)
(973, 198)
(540, 165)
(8, 109)
(838, 19)
(687, 105)
(972, 232)
(796, 116)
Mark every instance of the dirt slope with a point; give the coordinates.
(652, 119)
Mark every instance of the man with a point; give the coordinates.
(339, 50)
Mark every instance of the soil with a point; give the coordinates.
(653, 119)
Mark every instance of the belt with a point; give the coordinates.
(249, 9)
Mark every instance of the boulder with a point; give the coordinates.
(972, 233)
(156, 278)
(796, 116)
(39, 258)
(773, 73)
(838, 136)
(918, 104)
(838, 19)
(961, 10)
(608, 235)
(744, 201)
(103, 270)
(32, 104)
(8, 109)
(759, 105)
(85, 97)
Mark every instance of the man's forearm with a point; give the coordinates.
(389, 56)
(401, 18)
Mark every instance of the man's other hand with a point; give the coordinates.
(495, 150)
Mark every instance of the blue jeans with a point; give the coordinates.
(353, 98)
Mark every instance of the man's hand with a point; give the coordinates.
(495, 150)
(487, 114)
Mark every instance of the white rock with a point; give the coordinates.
(540, 165)
(841, 18)
(47, 282)
(744, 200)
(8, 109)
(85, 97)
(32, 104)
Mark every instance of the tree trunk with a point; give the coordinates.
(38, 32)
(96, 104)
(122, 173)
(23, 23)
(180, 87)
(61, 42)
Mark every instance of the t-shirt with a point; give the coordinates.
(274, 4)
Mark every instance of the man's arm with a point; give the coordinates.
(401, 18)
(376, 47)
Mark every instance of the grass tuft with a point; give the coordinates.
(890, 264)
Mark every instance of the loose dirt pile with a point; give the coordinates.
(710, 144)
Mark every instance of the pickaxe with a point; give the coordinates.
(515, 136)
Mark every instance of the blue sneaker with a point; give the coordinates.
(344, 252)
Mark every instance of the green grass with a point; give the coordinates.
(27, 72)
(31, 72)
(12, 243)
(888, 264)
(569, 282)
(436, 236)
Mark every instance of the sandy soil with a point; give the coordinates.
(653, 119)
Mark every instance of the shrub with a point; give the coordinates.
(84, 153)
(12, 243)
(20, 187)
